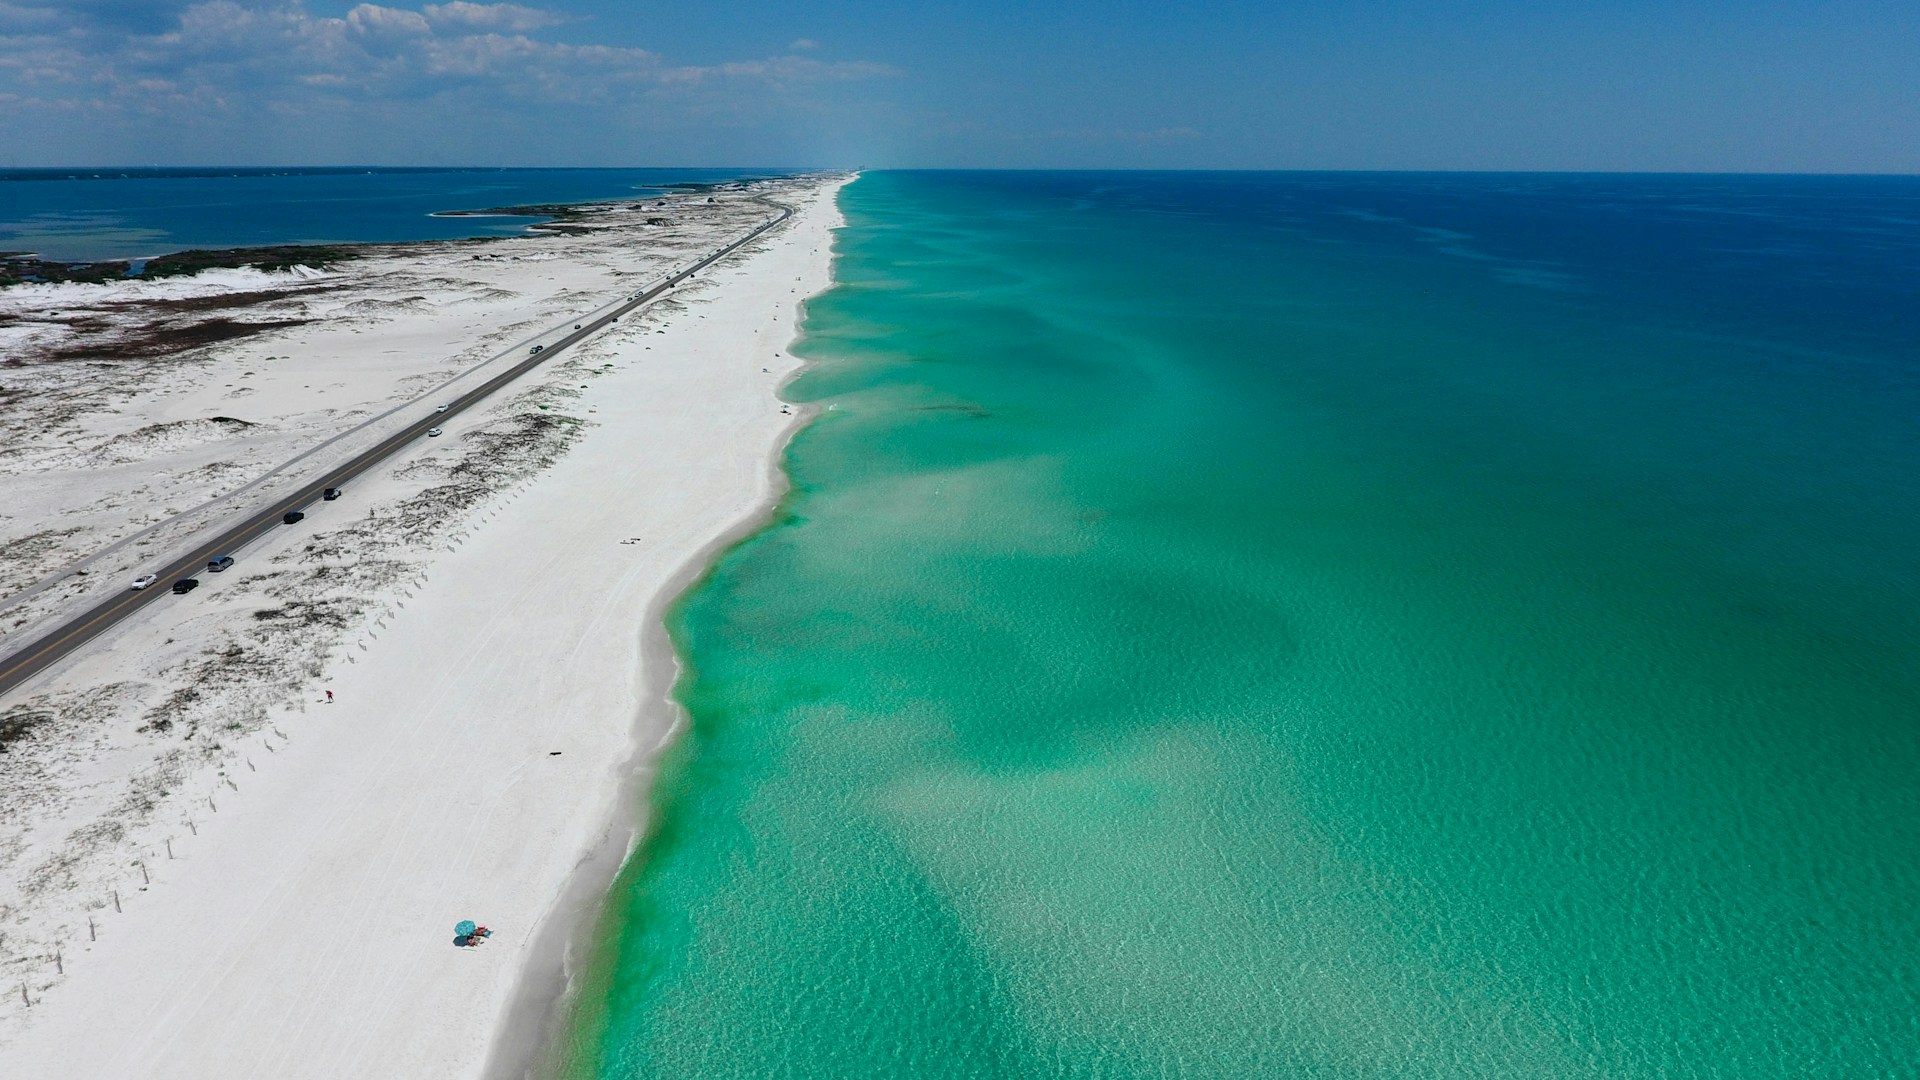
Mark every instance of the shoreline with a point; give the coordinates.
(525, 1043)
(207, 970)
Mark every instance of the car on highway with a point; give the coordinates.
(185, 585)
(144, 580)
(535, 349)
(219, 563)
(442, 408)
(292, 517)
(330, 494)
(433, 432)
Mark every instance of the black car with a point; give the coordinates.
(330, 494)
(185, 585)
(292, 517)
(215, 565)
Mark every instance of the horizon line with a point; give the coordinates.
(800, 169)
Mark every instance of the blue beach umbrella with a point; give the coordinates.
(465, 927)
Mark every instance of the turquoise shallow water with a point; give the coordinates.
(1312, 626)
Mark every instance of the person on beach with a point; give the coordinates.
(329, 697)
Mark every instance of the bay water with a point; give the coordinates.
(76, 215)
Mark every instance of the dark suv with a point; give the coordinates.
(330, 494)
(215, 565)
(292, 517)
(185, 585)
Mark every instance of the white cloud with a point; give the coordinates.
(803, 44)
(280, 55)
(399, 81)
(496, 17)
(27, 15)
(782, 70)
(374, 19)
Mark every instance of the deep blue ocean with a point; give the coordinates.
(72, 215)
(1294, 625)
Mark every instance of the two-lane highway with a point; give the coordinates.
(44, 651)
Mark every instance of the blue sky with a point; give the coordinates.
(1701, 85)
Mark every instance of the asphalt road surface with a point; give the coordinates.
(50, 647)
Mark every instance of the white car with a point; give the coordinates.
(432, 432)
(442, 408)
(144, 581)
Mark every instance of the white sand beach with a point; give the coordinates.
(206, 870)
